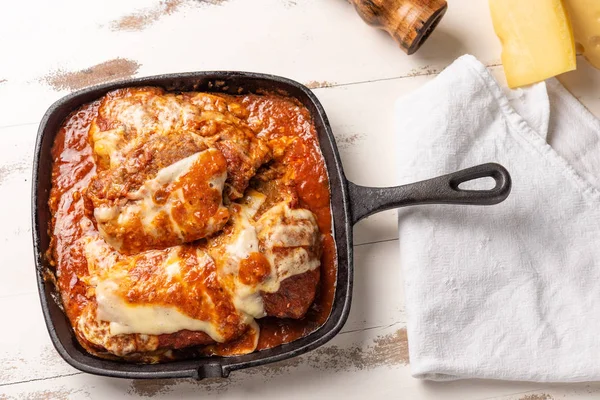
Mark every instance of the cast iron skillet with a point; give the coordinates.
(349, 204)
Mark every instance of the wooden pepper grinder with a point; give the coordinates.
(409, 22)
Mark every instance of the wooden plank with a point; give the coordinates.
(372, 362)
(367, 361)
(310, 40)
(26, 353)
(16, 155)
(321, 43)
(316, 42)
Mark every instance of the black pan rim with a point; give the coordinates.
(212, 366)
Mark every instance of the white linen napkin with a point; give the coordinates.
(510, 291)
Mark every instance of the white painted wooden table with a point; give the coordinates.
(50, 48)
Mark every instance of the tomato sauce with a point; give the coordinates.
(273, 117)
(286, 117)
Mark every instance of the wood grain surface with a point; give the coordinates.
(49, 49)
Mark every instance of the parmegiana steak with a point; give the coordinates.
(190, 224)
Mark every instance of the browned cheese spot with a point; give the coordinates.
(119, 68)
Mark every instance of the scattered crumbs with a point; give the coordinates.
(6, 170)
(386, 350)
(422, 71)
(319, 85)
(142, 19)
(346, 142)
(2, 81)
(111, 70)
(290, 3)
(540, 396)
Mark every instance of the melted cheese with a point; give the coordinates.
(171, 173)
(106, 145)
(97, 332)
(244, 242)
(145, 319)
(99, 255)
(296, 261)
(285, 233)
(282, 234)
(248, 300)
(142, 206)
(112, 281)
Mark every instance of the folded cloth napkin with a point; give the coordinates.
(510, 291)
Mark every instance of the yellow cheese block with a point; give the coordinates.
(537, 40)
(585, 19)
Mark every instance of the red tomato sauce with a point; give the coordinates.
(281, 117)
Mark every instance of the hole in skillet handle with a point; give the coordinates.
(492, 196)
(365, 201)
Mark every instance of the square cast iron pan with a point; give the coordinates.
(349, 203)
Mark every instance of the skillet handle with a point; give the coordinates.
(365, 201)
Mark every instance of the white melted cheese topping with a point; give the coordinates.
(141, 203)
(245, 242)
(290, 230)
(145, 319)
(124, 317)
(106, 144)
(280, 227)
